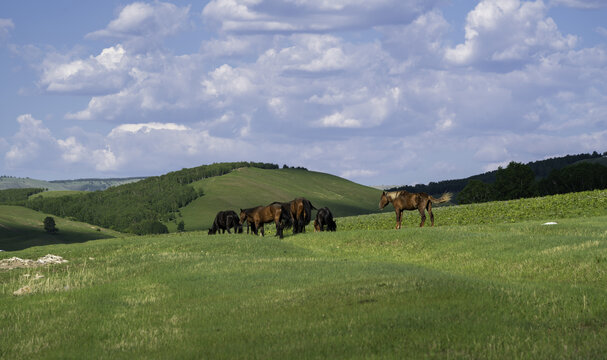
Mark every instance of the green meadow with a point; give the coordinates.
(499, 285)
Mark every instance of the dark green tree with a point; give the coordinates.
(49, 225)
(514, 182)
(181, 226)
(476, 192)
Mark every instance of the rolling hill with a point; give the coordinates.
(249, 187)
(21, 228)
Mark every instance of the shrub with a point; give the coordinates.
(147, 227)
(49, 225)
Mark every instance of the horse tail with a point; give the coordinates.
(446, 197)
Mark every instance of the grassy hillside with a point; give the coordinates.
(547, 208)
(489, 291)
(22, 228)
(248, 187)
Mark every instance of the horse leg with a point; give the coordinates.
(398, 215)
(279, 230)
(429, 208)
(422, 212)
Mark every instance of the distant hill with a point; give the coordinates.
(541, 169)
(248, 187)
(7, 182)
(21, 228)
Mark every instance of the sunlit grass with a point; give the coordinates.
(515, 290)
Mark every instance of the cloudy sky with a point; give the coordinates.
(379, 92)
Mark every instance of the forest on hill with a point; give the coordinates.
(138, 207)
(561, 172)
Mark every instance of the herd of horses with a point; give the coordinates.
(297, 213)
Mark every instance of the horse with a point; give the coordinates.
(301, 213)
(324, 217)
(225, 220)
(260, 215)
(404, 200)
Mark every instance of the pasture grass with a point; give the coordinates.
(548, 208)
(491, 291)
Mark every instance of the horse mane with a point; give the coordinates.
(394, 194)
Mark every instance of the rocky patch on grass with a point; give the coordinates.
(15, 262)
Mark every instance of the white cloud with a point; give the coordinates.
(276, 16)
(227, 81)
(32, 143)
(104, 73)
(508, 31)
(140, 25)
(339, 120)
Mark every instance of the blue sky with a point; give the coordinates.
(382, 92)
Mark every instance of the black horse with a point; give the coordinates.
(225, 220)
(324, 218)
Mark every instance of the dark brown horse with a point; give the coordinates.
(301, 213)
(404, 200)
(260, 215)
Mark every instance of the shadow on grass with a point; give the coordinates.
(19, 237)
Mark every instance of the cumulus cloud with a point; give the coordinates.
(385, 96)
(140, 25)
(275, 16)
(33, 146)
(508, 31)
(105, 73)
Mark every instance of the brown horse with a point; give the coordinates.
(260, 215)
(301, 213)
(404, 200)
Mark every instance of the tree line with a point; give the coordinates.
(540, 169)
(138, 207)
(519, 181)
(18, 196)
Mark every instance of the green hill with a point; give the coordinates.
(248, 187)
(21, 228)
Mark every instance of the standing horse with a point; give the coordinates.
(324, 218)
(224, 220)
(301, 214)
(404, 200)
(260, 215)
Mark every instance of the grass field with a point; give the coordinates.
(495, 290)
(248, 187)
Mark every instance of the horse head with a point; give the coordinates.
(383, 201)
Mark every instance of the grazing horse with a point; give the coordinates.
(260, 215)
(225, 220)
(301, 213)
(324, 217)
(404, 200)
